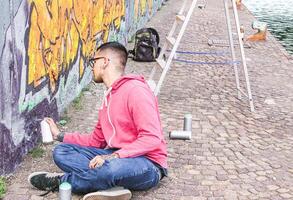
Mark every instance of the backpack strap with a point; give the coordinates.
(143, 30)
(153, 31)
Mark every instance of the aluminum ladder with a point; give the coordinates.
(180, 19)
(183, 20)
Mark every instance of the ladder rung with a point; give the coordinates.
(201, 6)
(180, 17)
(171, 40)
(161, 62)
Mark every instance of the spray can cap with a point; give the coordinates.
(188, 116)
(65, 186)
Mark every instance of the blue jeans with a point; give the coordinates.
(133, 173)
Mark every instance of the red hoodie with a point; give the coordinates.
(128, 120)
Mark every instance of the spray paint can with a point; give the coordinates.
(187, 122)
(65, 191)
(183, 135)
(46, 132)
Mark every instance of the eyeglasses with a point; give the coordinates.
(93, 60)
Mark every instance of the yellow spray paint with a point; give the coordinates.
(56, 29)
(140, 7)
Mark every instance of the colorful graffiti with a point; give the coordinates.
(57, 28)
(43, 62)
(140, 7)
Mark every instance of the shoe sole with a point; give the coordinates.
(97, 196)
(34, 174)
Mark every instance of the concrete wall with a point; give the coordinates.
(44, 49)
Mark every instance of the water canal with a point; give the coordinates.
(278, 14)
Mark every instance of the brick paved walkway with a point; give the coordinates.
(233, 153)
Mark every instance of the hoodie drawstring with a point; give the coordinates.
(105, 101)
(114, 130)
(106, 93)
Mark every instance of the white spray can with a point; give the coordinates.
(187, 122)
(46, 132)
(65, 191)
(183, 135)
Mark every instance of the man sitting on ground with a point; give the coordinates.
(126, 148)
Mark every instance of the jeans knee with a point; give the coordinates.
(107, 175)
(60, 151)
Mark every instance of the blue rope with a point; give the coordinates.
(208, 63)
(205, 53)
(201, 53)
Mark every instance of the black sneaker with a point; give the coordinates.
(45, 181)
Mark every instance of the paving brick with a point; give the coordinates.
(14, 196)
(286, 196)
(283, 190)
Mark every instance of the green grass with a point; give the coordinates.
(37, 152)
(87, 88)
(2, 187)
(77, 104)
(64, 119)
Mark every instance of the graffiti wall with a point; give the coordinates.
(45, 45)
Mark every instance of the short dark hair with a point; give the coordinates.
(117, 48)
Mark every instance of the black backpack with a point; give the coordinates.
(146, 47)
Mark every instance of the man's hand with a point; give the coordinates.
(53, 127)
(99, 160)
